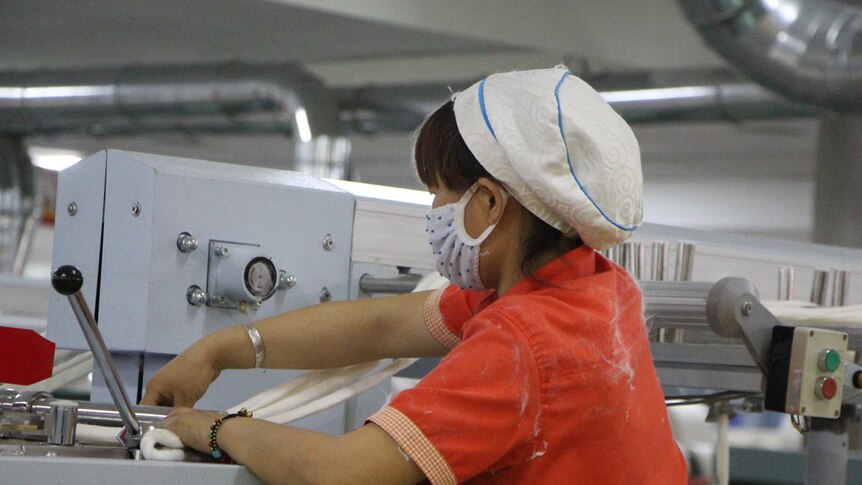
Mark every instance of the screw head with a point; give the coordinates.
(72, 208)
(221, 251)
(325, 295)
(286, 281)
(328, 242)
(196, 296)
(186, 243)
(136, 209)
(747, 308)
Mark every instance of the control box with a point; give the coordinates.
(806, 372)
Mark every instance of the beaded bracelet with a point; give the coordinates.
(215, 451)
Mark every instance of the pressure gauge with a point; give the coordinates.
(261, 277)
(239, 275)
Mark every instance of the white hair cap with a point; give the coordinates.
(559, 148)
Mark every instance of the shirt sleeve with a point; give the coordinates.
(448, 308)
(477, 411)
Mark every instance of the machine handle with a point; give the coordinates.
(68, 280)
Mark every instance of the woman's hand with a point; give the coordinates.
(192, 427)
(180, 383)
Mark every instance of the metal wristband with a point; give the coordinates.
(257, 343)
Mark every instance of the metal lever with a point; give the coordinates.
(67, 280)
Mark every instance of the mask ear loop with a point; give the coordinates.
(460, 207)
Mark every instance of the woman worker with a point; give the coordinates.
(546, 376)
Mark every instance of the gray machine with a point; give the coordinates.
(172, 249)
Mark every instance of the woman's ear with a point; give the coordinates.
(495, 199)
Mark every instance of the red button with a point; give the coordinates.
(826, 388)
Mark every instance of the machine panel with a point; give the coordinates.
(303, 225)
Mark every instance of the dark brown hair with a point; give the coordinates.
(440, 154)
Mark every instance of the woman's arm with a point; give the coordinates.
(286, 455)
(320, 336)
(332, 335)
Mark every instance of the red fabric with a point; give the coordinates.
(550, 384)
(25, 356)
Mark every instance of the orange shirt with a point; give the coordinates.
(549, 384)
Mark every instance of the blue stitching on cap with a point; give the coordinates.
(482, 107)
(569, 158)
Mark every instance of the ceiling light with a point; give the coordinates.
(52, 159)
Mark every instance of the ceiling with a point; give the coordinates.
(347, 41)
(353, 43)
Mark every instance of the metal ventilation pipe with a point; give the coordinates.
(808, 50)
(710, 97)
(223, 98)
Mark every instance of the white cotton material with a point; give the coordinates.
(88, 434)
(810, 314)
(316, 384)
(560, 150)
(317, 390)
(156, 444)
(162, 445)
(342, 394)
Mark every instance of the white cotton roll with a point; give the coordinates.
(317, 390)
(89, 434)
(341, 394)
(162, 445)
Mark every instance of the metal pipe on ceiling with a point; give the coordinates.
(225, 98)
(402, 108)
(808, 50)
(245, 98)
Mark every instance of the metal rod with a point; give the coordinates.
(106, 414)
(684, 261)
(819, 287)
(668, 303)
(658, 270)
(64, 417)
(614, 254)
(131, 438)
(370, 284)
(785, 283)
(633, 259)
(839, 287)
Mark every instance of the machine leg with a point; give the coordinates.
(827, 449)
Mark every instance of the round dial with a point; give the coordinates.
(260, 277)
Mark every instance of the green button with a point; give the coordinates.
(830, 359)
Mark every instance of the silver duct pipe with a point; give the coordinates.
(402, 108)
(808, 50)
(224, 98)
(229, 97)
(241, 98)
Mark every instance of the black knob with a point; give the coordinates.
(67, 280)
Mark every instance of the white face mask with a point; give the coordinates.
(457, 253)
